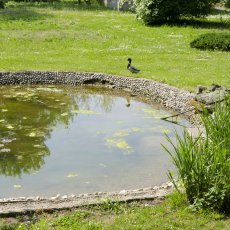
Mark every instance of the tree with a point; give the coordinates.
(158, 11)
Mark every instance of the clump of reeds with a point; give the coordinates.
(203, 164)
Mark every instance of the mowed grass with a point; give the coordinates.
(56, 37)
(173, 213)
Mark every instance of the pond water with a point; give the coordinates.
(73, 140)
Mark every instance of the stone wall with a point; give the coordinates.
(171, 97)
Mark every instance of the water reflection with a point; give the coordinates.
(27, 118)
(75, 140)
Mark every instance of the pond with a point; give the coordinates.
(73, 140)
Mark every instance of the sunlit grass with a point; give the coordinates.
(64, 38)
(171, 214)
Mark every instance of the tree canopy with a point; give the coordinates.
(158, 11)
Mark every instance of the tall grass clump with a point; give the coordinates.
(203, 164)
(217, 126)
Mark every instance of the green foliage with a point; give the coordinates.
(159, 11)
(217, 126)
(227, 3)
(156, 11)
(8, 227)
(203, 165)
(111, 206)
(2, 4)
(90, 2)
(71, 221)
(32, 1)
(80, 2)
(212, 41)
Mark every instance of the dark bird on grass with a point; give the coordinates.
(132, 68)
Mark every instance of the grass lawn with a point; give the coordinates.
(173, 213)
(66, 37)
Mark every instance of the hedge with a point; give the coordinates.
(212, 41)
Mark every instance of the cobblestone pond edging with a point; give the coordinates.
(24, 205)
(171, 97)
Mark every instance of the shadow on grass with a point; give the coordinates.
(220, 22)
(201, 23)
(24, 14)
(8, 227)
(26, 10)
(220, 11)
(70, 5)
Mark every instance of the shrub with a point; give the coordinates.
(158, 11)
(203, 165)
(212, 41)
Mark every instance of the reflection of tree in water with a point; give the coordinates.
(26, 121)
(27, 118)
(101, 98)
